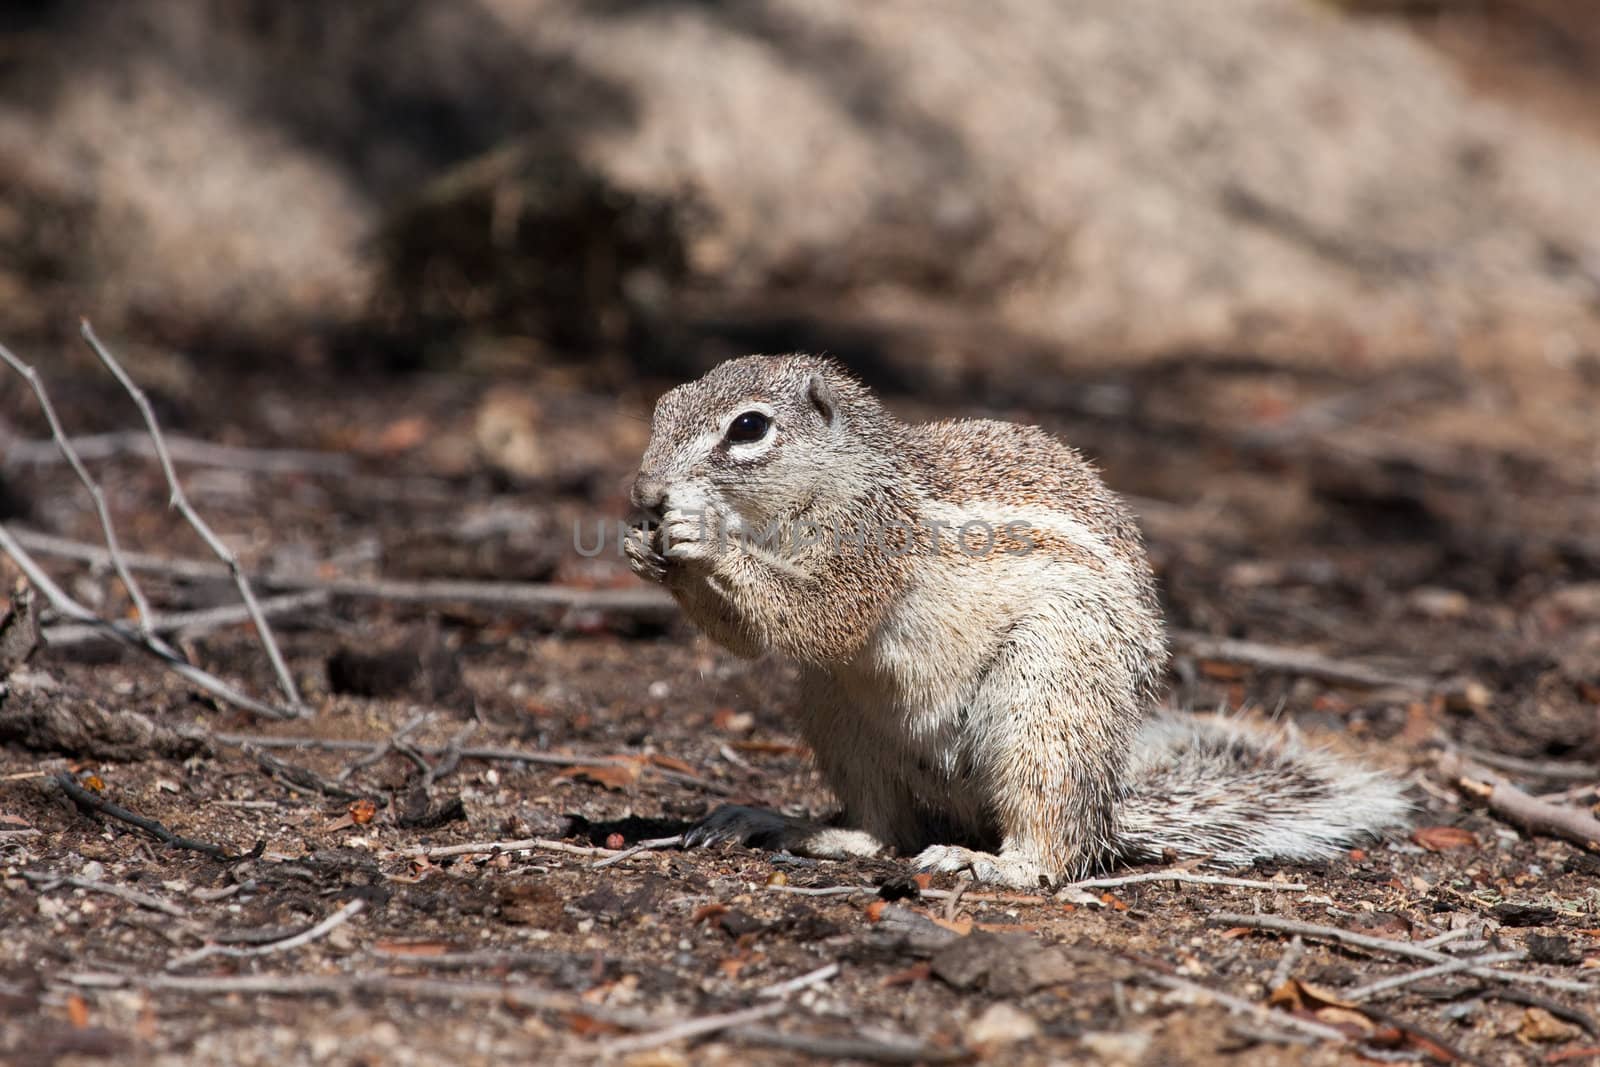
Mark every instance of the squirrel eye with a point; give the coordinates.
(750, 426)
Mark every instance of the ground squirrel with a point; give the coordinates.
(979, 639)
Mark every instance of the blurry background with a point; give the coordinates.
(1317, 283)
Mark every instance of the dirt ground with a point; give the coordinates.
(1354, 514)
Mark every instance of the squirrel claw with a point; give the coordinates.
(643, 559)
(1017, 872)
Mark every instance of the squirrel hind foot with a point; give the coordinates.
(1207, 785)
(1015, 871)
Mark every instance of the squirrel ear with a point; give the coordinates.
(820, 393)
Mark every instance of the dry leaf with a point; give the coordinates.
(402, 435)
(668, 763)
(917, 972)
(1323, 1004)
(362, 811)
(587, 1025)
(77, 1012)
(708, 912)
(611, 776)
(1220, 671)
(1112, 901)
(412, 948)
(1444, 838)
(1539, 1025)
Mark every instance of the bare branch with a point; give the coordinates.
(47, 880)
(59, 435)
(642, 603)
(1240, 1006)
(652, 845)
(180, 500)
(185, 450)
(1338, 936)
(1438, 970)
(822, 974)
(527, 844)
(1185, 876)
(151, 645)
(1529, 812)
(190, 622)
(1292, 661)
(688, 1028)
(305, 937)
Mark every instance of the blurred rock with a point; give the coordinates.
(1274, 176)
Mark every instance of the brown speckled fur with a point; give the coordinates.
(989, 711)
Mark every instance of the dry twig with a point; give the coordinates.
(180, 501)
(690, 1028)
(1240, 1006)
(1185, 876)
(153, 646)
(1550, 770)
(305, 937)
(47, 880)
(1529, 812)
(191, 622)
(822, 974)
(108, 530)
(642, 603)
(86, 799)
(1292, 661)
(643, 846)
(1279, 924)
(1399, 981)
(527, 844)
(848, 1049)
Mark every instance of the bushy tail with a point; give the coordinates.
(1218, 787)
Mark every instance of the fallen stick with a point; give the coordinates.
(527, 844)
(305, 937)
(180, 500)
(644, 846)
(643, 603)
(822, 974)
(1438, 970)
(1550, 770)
(185, 450)
(1529, 812)
(190, 622)
(382, 750)
(86, 799)
(1292, 661)
(689, 1028)
(1240, 1006)
(1185, 876)
(1350, 938)
(47, 880)
(151, 645)
(502, 755)
(845, 1049)
(108, 530)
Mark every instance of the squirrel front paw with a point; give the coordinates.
(690, 534)
(1008, 869)
(644, 559)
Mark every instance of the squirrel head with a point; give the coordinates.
(764, 437)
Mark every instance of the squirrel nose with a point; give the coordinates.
(649, 495)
